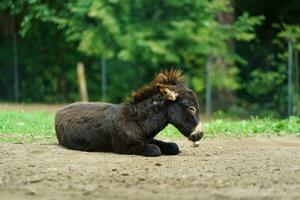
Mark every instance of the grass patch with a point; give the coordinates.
(31, 127)
(26, 127)
(253, 126)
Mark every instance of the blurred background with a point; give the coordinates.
(241, 57)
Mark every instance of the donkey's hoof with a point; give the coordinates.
(152, 150)
(170, 148)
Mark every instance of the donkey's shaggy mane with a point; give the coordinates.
(168, 77)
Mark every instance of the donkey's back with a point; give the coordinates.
(85, 126)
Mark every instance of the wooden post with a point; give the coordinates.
(82, 82)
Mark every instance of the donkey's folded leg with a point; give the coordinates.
(167, 148)
(145, 150)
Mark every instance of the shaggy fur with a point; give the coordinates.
(130, 128)
(172, 77)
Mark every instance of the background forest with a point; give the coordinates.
(244, 44)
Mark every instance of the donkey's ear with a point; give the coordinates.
(161, 78)
(168, 91)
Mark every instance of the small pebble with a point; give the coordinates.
(196, 144)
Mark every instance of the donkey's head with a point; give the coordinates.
(183, 107)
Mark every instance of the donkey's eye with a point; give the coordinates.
(192, 109)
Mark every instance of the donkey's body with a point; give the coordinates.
(85, 126)
(125, 128)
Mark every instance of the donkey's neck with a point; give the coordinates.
(150, 114)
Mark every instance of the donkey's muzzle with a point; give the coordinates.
(196, 136)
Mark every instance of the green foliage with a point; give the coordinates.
(245, 27)
(290, 33)
(162, 32)
(139, 38)
(30, 11)
(46, 73)
(264, 82)
(264, 78)
(149, 35)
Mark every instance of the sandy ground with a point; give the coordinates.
(222, 168)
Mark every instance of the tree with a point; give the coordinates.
(161, 34)
(140, 38)
(264, 77)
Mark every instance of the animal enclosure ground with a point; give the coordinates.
(220, 168)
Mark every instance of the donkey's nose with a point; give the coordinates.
(196, 136)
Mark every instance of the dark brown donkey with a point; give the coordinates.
(130, 128)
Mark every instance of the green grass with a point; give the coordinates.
(254, 126)
(20, 127)
(250, 127)
(26, 127)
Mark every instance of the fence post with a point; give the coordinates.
(103, 79)
(82, 82)
(208, 86)
(289, 74)
(16, 70)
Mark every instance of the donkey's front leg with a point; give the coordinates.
(145, 150)
(167, 148)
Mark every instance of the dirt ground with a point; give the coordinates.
(221, 168)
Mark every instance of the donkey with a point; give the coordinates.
(130, 128)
